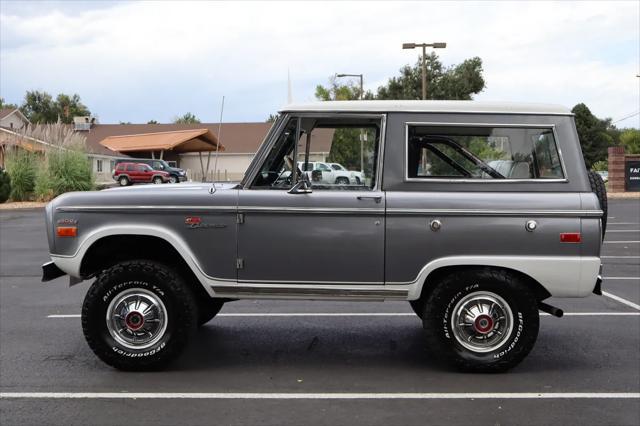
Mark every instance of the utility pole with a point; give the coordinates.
(439, 45)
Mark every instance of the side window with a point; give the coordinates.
(130, 167)
(351, 143)
(482, 153)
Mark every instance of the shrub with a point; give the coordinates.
(43, 190)
(5, 185)
(66, 170)
(599, 166)
(21, 166)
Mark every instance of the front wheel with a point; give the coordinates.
(138, 315)
(173, 179)
(157, 180)
(481, 320)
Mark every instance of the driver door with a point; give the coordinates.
(330, 235)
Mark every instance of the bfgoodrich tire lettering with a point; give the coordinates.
(515, 314)
(151, 280)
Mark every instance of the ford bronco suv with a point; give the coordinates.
(474, 213)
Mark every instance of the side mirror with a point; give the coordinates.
(303, 186)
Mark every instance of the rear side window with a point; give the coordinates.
(130, 167)
(483, 153)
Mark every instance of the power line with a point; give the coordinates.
(628, 116)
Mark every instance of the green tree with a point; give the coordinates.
(630, 139)
(68, 107)
(272, 118)
(40, 107)
(594, 134)
(188, 118)
(460, 81)
(4, 105)
(152, 122)
(340, 91)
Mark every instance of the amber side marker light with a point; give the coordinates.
(67, 231)
(570, 237)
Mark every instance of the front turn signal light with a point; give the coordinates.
(67, 231)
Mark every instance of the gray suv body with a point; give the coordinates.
(473, 212)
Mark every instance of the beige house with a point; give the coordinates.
(240, 141)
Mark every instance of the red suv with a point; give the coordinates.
(130, 173)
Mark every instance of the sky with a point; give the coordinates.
(141, 61)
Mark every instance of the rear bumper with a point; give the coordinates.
(598, 287)
(50, 271)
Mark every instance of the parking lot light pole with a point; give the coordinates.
(438, 45)
(362, 132)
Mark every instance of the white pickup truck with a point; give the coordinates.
(331, 173)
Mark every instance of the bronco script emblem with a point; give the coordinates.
(195, 222)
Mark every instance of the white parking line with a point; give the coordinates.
(337, 395)
(361, 314)
(621, 242)
(621, 300)
(621, 278)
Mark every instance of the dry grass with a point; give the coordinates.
(15, 205)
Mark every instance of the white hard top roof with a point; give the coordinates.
(429, 106)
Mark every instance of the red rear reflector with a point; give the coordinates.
(67, 231)
(570, 237)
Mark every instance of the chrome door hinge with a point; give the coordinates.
(240, 218)
(239, 263)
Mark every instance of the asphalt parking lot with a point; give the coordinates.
(334, 363)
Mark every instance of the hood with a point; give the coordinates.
(194, 186)
(187, 194)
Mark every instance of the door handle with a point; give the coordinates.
(376, 198)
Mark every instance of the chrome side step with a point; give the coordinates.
(262, 291)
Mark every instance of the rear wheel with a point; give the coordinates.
(599, 188)
(123, 181)
(138, 315)
(342, 181)
(481, 320)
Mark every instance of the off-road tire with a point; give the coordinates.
(450, 289)
(598, 187)
(207, 309)
(123, 181)
(165, 284)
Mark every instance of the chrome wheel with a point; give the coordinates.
(482, 321)
(137, 318)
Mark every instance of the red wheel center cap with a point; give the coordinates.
(134, 321)
(483, 324)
